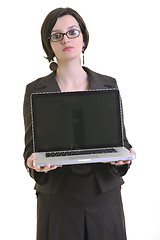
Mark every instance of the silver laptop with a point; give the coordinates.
(78, 127)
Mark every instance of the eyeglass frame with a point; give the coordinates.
(79, 31)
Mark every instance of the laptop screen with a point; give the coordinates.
(76, 120)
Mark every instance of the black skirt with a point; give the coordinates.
(79, 211)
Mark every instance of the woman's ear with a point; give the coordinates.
(83, 47)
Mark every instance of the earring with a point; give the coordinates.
(53, 65)
(83, 56)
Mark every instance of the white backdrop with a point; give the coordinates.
(125, 44)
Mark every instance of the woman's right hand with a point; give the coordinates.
(38, 168)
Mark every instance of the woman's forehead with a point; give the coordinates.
(65, 23)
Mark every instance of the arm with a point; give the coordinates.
(120, 168)
(37, 173)
(39, 178)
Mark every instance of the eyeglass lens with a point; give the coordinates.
(73, 33)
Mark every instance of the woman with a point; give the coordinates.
(79, 201)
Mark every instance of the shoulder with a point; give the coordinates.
(41, 83)
(100, 80)
(106, 80)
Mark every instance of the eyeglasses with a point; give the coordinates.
(73, 33)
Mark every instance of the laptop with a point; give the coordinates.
(78, 127)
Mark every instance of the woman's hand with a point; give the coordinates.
(38, 168)
(120, 163)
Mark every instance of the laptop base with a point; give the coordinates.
(121, 154)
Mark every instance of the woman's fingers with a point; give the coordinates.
(38, 168)
(30, 160)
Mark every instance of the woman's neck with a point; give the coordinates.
(71, 77)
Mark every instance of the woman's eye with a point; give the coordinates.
(73, 32)
(56, 36)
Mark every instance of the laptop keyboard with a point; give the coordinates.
(80, 152)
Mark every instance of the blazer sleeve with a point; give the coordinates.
(40, 178)
(121, 170)
(113, 84)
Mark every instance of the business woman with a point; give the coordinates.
(81, 202)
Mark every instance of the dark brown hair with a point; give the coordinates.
(49, 23)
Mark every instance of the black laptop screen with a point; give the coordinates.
(76, 120)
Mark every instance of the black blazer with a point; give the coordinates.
(108, 176)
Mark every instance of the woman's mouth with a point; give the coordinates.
(68, 48)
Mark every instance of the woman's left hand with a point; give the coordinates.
(120, 163)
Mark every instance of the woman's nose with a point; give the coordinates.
(65, 39)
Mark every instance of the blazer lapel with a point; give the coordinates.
(96, 81)
(48, 84)
(99, 81)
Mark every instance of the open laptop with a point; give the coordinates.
(78, 127)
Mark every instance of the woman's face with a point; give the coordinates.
(67, 49)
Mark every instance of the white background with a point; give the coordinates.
(125, 44)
